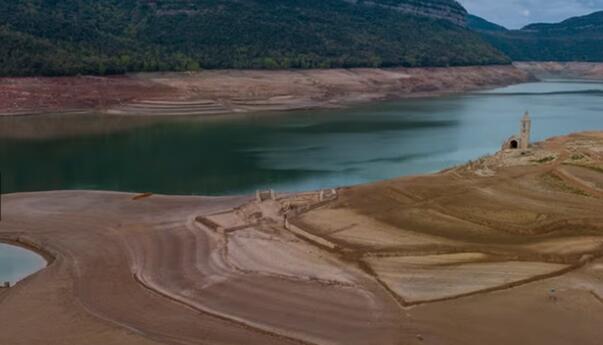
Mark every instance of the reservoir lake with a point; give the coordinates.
(294, 151)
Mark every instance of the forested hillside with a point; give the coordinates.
(480, 24)
(575, 39)
(67, 37)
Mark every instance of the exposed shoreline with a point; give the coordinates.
(216, 92)
(554, 69)
(219, 92)
(486, 241)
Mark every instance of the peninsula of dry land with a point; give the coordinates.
(502, 250)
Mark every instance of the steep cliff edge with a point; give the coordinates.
(449, 10)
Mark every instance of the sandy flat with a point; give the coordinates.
(435, 278)
(358, 230)
(287, 257)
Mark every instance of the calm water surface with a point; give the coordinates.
(17, 263)
(288, 152)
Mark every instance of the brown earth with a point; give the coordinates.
(582, 70)
(24, 96)
(507, 249)
(235, 91)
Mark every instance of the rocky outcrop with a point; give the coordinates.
(449, 10)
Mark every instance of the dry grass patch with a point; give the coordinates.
(555, 183)
(431, 278)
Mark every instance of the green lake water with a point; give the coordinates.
(296, 151)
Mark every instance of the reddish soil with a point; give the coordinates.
(66, 93)
(582, 70)
(235, 91)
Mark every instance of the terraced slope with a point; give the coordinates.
(501, 221)
(171, 108)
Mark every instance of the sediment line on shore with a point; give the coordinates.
(219, 92)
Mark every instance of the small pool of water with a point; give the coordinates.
(17, 263)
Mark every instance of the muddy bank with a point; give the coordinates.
(235, 91)
(580, 70)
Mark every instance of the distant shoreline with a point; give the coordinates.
(217, 92)
(227, 92)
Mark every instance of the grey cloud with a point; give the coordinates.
(517, 13)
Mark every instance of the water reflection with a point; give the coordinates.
(17, 263)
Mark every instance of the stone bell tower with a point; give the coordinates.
(526, 127)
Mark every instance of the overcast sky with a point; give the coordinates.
(516, 13)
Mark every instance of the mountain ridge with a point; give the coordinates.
(480, 24)
(574, 39)
(586, 22)
(69, 37)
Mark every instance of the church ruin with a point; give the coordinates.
(523, 140)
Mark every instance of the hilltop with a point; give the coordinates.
(575, 39)
(69, 37)
(480, 24)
